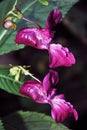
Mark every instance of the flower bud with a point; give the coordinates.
(8, 24)
(14, 71)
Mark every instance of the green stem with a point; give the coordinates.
(26, 72)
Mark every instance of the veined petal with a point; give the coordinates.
(60, 56)
(53, 19)
(62, 109)
(34, 37)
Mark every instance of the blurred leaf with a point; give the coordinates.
(44, 2)
(7, 43)
(31, 10)
(7, 82)
(1, 125)
(5, 6)
(39, 12)
(31, 121)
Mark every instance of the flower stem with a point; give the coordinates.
(30, 21)
(26, 72)
(34, 77)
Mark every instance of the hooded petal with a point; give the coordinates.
(53, 19)
(33, 89)
(40, 38)
(60, 56)
(62, 109)
(50, 80)
(34, 37)
(41, 92)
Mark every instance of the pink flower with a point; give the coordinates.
(39, 37)
(42, 38)
(62, 109)
(35, 37)
(44, 92)
(60, 56)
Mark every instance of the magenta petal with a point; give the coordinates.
(34, 37)
(62, 109)
(50, 80)
(53, 19)
(60, 56)
(41, 92)
(33, 89)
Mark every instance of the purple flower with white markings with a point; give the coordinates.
(42, 38)
(44, 92)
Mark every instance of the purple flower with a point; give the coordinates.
(42, 38)
(44, 92)
(60, 56)
(34, 37)
(62, 109)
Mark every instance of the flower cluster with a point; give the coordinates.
(45, 92)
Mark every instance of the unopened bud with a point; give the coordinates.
(14, 71)
(8, 24)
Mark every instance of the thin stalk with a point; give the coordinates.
(34, 78)
(26, 72)
(30, 21)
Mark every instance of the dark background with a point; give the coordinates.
(71, 32)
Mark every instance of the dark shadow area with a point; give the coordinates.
(14, 122)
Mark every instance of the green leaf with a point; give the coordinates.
(31, 121)
(1, 125)
(7, 82)
(7, 37)
(33, 10)
(44, 2)
(7, 43)
(39, 12)
(5, 6)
